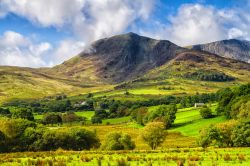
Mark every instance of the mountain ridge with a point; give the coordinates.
(231, 48)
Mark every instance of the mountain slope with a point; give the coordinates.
(119, 58)
(235, 49)
(19, 82)
(190, 72)
(142, 65)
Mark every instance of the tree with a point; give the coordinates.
(154, 134)
(206, 113)
(138, 114)
(4, 111)
(3, 147)
(118, 141)
(52, 118)
(23, 113)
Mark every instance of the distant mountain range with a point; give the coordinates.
(132, 60)
(235, 49)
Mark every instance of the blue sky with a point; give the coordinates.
(41, 33)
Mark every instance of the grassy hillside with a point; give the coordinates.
(23, 83)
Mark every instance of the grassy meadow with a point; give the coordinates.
(180, 156)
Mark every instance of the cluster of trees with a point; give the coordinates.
(23, 113)
(153, 134)
(164, 113)
(234, 103)
(228, 134)
(209, 76)
(22, 135)
(49, 118)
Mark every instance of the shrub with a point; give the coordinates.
(70, 117)
(52, 118)
(118, 141)
(206, 113)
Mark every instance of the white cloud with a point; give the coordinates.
(45, 12)
(17, 50)
(196, 24)
(235, 33)
(66, 50)
(89, 20)
(193, 24)
(12, 39)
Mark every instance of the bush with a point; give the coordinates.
(68, 139)
(52, 118)
(153, 134)
(118, 141)
(23, 113)
(206, 113)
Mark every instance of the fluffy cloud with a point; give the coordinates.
(17, 50)
(44, 12)
(88, 20)
(197, 23)
(66, 49)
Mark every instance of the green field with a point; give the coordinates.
(116, 120)
(192, 128)
(86, 114)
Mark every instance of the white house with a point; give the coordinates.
(198, 105)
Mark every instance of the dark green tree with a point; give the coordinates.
(52, 118)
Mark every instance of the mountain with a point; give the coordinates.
(233, 48)
(142, 65)
(119, 58)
